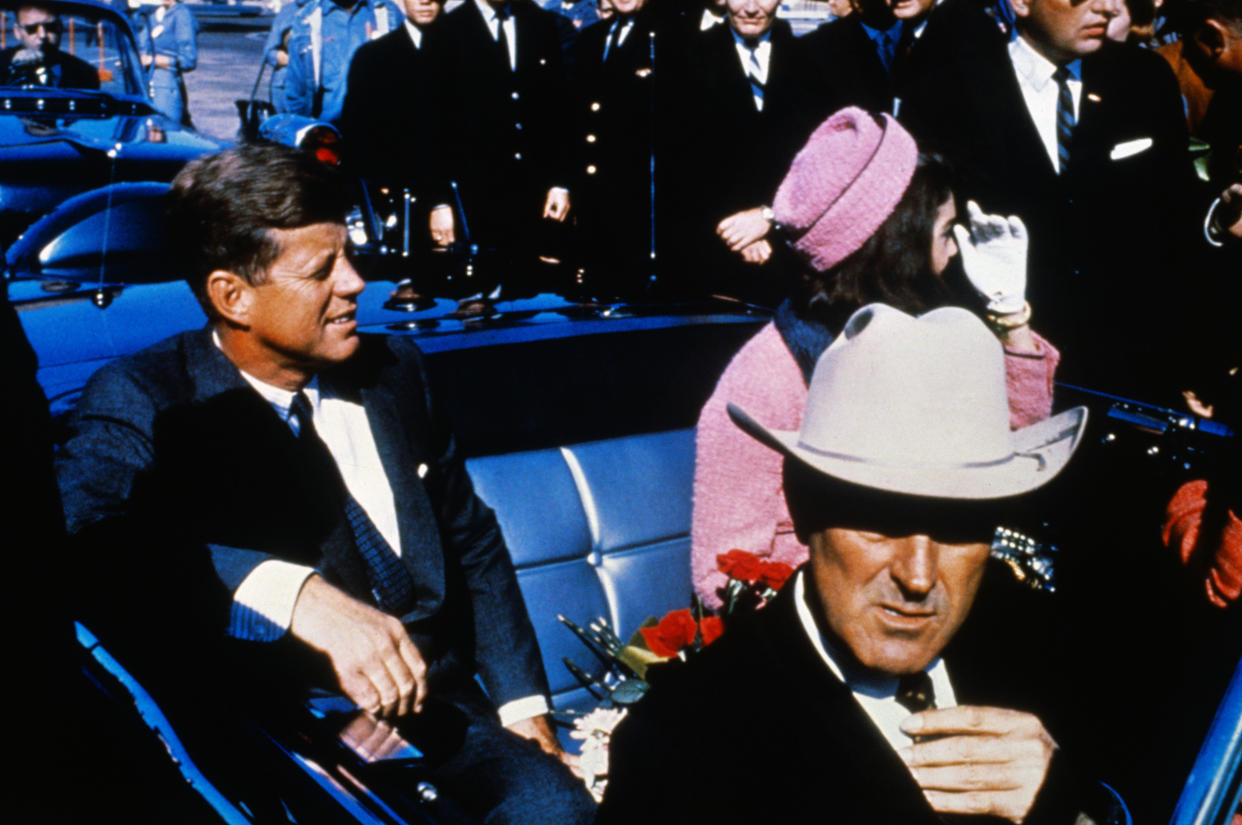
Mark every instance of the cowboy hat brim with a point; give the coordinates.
(1040, 451)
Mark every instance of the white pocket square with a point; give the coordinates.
(1129, 147)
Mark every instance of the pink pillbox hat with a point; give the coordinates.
(843, 184)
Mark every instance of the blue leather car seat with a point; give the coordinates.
(599, 529)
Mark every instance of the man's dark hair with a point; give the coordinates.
(893, 266)
(1185, 16)
(221, 207)
(818, 501)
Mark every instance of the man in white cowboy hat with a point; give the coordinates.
(891, 681)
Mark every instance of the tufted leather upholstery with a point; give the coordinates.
(599, 529)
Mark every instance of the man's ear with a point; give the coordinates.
(1210, 37)
(1021, 8)
(230, 295)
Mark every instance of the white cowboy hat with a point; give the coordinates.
(918, 406)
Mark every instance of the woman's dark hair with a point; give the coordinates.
(221, 207)
(893, 266)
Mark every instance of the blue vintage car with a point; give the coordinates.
(577, 423)
(76, 116)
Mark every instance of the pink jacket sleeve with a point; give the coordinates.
(738, 498)
(1028, 379)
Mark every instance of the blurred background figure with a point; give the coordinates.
(36, 57)
(168, 39)
(276, 52)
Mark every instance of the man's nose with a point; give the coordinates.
(347, 283)
(914, 566)
(1109, 8)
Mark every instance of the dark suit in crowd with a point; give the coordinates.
(759, 729)
(391, 118)
(732, 156)
(618, 106)
(855, 74)
(509, 141)
(1106, 229)
(181, 479)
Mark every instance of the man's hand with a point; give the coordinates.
(985, 761)
(757, 253)
(539, 730)
(1228, 217)
(376, 664)
(282, 57)
(556, 205)
(443, 231)
(742, 229)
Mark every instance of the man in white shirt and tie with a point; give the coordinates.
(280, 489)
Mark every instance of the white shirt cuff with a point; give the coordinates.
(522, 709)
(263, 603)
(560, 189)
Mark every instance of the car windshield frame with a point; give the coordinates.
(90, 33)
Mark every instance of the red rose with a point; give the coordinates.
(674, 633)
(774, 573)
(740, 565)
(712, 627)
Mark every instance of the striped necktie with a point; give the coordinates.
(1065, 118)
(753, 70)
(390, 582)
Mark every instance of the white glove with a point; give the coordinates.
(994, 257)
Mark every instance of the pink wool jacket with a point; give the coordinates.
(738, 500)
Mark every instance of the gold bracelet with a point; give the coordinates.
(1004, 322)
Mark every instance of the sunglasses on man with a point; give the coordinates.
(49, 27)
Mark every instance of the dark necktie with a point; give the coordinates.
(1065, 118)
(885, 49)
(753, 69)
(390, 582)
(915, 693)
(502, 14)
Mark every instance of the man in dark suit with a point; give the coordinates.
(391, 122)
(865, 58)
(37, 58)
(625, 71)
(1087, 143)
(880, 686)
(751, 99)
(506, 108)
(277, 480)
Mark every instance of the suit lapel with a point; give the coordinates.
(847, 739)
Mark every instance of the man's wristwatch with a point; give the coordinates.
(768, 215)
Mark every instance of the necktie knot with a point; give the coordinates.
(503, 12)
(1061, 75)
(300, 410)
(915, 692)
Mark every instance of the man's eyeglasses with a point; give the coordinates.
(49, 27)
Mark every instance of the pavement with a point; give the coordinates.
(230, 46)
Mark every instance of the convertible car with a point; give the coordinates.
(576, 419)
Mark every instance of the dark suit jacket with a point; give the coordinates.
(392, 117)
(509, 138)
(180, 479)
(846, 60)
(757, 729)
(732, 156)
(1102, 232)
(66, 71)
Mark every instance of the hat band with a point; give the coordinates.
(965, 465)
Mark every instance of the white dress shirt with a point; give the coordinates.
(876, 695)
(755, 61)
(416, 34)
(1040, 91)
(263, 603)
(493, 26)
